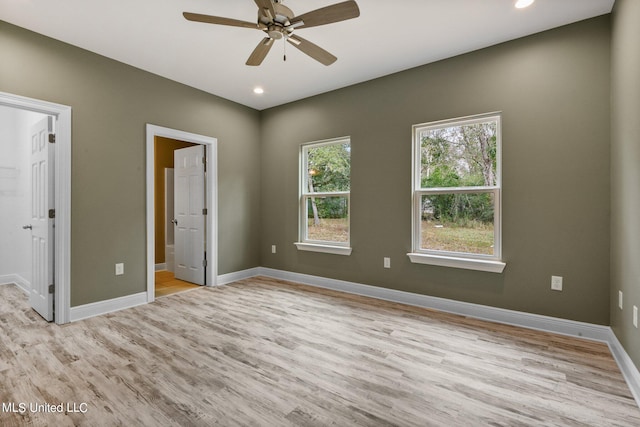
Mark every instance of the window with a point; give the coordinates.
(456, 193)
(325, 182)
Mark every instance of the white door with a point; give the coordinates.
(42, 213)
(189, 214)
(169, 227)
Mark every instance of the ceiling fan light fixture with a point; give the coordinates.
(521, 4)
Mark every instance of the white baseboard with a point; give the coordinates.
(103, 307)
(628, 368)
(17, 280)
(7, 279)
(223, 279)
(160, 267)
(499, 315)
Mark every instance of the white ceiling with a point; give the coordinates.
(389, 36)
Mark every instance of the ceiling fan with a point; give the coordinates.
(278, 21)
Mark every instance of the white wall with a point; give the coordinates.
(15, 183)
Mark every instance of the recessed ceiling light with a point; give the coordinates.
(258, 91)
(521, 4)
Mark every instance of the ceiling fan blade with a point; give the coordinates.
(268, 5)
(260, 52)
(313, 50)
(208, 19)
(327, 15)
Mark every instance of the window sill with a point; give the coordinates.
(327, 249)
(455, 262)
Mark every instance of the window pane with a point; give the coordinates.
(329, 168)
(459, 156)
(460, 222)
(328, 219)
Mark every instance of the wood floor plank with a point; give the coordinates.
(264, 352)
(167, 284)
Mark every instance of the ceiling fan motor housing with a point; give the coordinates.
(276, 26)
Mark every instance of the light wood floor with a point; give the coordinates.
(262, 352)
(167, 284)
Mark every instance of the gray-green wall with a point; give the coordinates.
(625, 172)
(553, 89)
(111, 104)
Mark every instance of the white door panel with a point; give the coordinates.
(42, 202)
(189, 203)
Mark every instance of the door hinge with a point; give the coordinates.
(51, 288)
(52, 138)
(204, 211)
(204, 262)
(52, 213)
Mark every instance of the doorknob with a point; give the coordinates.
(174, 221)
(27, 227)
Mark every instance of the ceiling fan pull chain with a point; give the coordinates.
(285, 51)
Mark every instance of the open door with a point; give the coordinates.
(42, 217)
(190, 214)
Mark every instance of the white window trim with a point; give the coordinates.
(457, 262)
(469, 261)
(324, 248)
(308, 245)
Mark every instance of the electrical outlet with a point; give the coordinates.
(556, 283)
(635, 316)
(273, 249)
(620, 299)
(119, 269)
(387, 262)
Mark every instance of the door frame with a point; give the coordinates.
(212, 201)
(62, 248)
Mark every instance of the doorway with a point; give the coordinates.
(59, 290)
(169, 275)
(156, 224)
